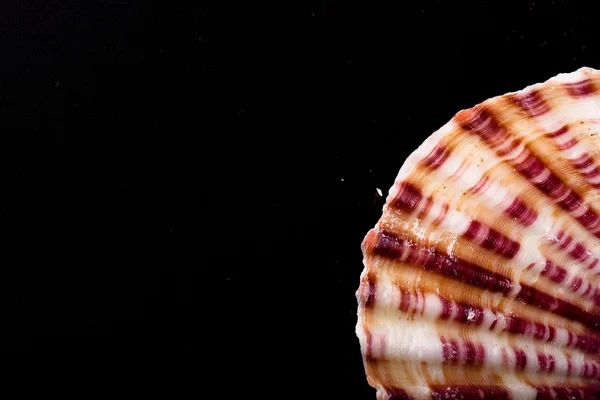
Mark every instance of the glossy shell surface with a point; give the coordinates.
(482, 276)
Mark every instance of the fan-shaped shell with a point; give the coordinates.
(482, 276)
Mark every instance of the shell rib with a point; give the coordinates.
(482, 276)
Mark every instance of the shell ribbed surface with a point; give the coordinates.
(482, 276)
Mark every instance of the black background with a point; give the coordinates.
(179, 175)
(100, 112)
(318, 106)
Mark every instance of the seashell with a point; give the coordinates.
(482, 276)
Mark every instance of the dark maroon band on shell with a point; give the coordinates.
(568, 144)
(588, 392)
(462, 352)
(407, 198)
(436, 157)
(519, 211)
(396, 393)
(520, 358)
(488, 392)
(482, 122)
(462, 312)
(581, 88)
(560, 307)
(371, 290)
(491, 392)
(554, 272)
(390, 246)
(583, 161)
(547, 362)
(467, 314)
(532, 103)
(578, 252)
(561, 131)
(491, 239)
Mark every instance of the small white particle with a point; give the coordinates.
(379, 192)
(470, 316)
(342, 179)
